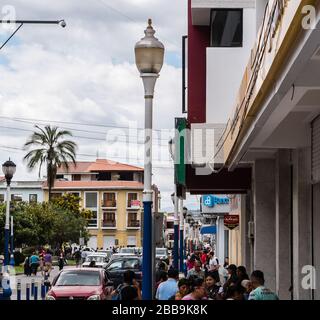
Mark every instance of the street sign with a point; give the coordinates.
(231, 221)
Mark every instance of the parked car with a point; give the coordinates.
(81, 284)
(124, 252)
(101, 260)
(116, 267)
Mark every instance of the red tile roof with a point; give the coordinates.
(98, 165)
(96, 185)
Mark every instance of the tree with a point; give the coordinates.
(50, 149)
(47, 223)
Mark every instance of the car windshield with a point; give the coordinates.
(127, 250)
(79, 279)
(131, 264)
(161, 252)
(95, 258)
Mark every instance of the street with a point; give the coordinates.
(24, 280)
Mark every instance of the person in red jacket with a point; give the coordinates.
(203, 257)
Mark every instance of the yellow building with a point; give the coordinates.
(113, 192)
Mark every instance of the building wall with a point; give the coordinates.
(121, 233)
(238, 240)
(23, 192)
(225, 69)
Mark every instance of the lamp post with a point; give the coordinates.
(149, 54)
(9, 169)
(11, 246)
(175, 202)
(181, 224)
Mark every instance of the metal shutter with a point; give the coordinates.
(316, 150)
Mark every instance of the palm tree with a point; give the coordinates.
(50, 149)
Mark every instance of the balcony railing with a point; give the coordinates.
(109, 204)
(133, 224)
(109, 224)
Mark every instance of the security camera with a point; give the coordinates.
(62, 23)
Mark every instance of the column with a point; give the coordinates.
(301, 221)
(283, 224)
(220, 240)
(264, 218)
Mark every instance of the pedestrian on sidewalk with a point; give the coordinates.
(242, 275)
(235, 293)
(198, 291)
(184, 289)
(196, 271)
(213, 289)
(170, 287)
(34, 263)
(26, 267)
(61, 261)
(260, 292)
(77, 257)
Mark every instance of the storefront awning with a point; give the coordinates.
(208, 230)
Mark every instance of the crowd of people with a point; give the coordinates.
(42, 261)
(206, 279)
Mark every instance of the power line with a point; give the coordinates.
(31, 120)
(19, 150)
(93, 138)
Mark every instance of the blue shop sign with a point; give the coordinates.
(211, 201)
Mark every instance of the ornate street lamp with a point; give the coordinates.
(9, 169)
(149, 55)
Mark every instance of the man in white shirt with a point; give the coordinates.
(213, 262)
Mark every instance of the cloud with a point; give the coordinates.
(86, 73)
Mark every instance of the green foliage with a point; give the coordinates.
(18, 258)
(39, 224)
(50, 149)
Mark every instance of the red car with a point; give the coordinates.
(80, 284)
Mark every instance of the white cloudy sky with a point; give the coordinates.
(85, 74)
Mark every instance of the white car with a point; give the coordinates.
(125, 252)
(100, 260)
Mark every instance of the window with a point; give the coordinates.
(226, 28)
(104, 176)
(117, 265)
(16, 197)
(131, 197)
(109, 200)
(76, 177)
(56, 195)
(59, 176)
(91, 202)
(126, 176)
(33, 198)
(109, 219)
(1, 197)
(133, 221)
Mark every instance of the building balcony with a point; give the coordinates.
(108, 203)
(133, 224)
(108, 224)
